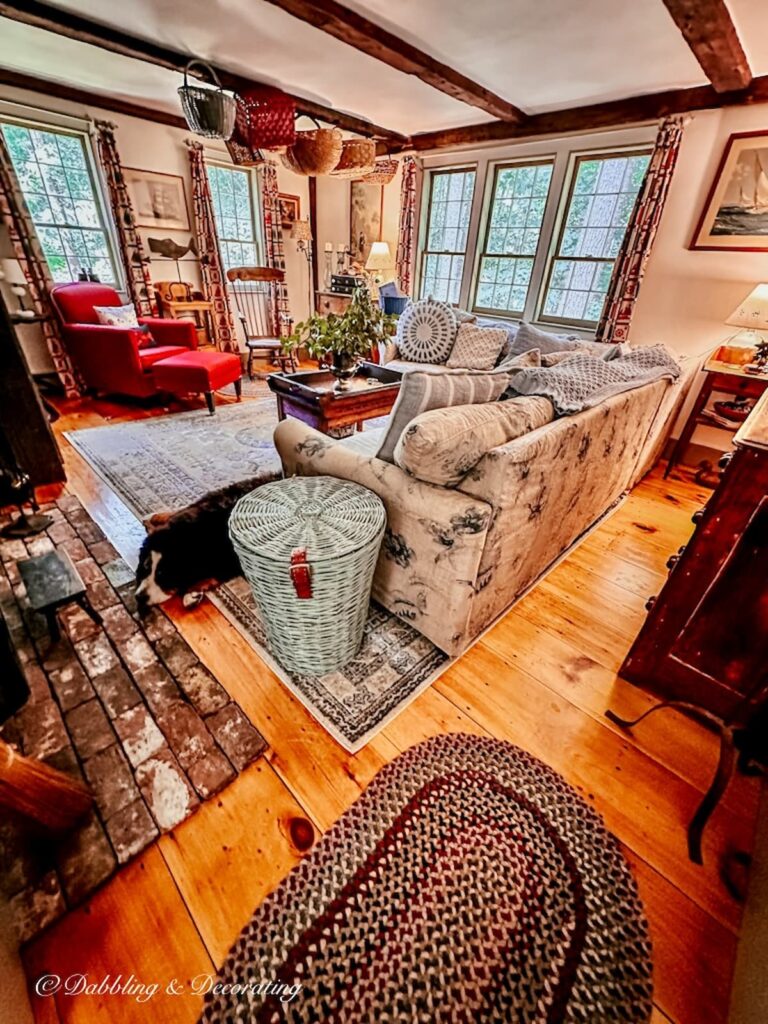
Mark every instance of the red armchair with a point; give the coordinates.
(117, 360)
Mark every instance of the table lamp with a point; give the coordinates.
(379, 260)
(751, 315)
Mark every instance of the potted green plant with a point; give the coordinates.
(347, 337)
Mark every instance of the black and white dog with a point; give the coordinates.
(189, 551)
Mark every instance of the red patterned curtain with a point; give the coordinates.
(629, 269)
(211, 264)
(135, 262)
(275, 253)
(14, 214)
(406, 238)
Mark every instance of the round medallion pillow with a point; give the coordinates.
(426, 332)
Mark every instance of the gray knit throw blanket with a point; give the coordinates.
(583, 381)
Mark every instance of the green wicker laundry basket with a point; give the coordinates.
(308, 547)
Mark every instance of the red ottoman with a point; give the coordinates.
(199, 371)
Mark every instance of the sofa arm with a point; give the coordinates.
(171, 332)
(105, 356)
(429, 561)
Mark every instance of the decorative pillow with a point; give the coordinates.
(529, 337)
(476, 348)
(117, 316)
(442, 446)
(426, 332)
(433, 388)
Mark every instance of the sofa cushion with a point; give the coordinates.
(476, 348)
(426, 331)
(441, 446)
(529, 337)
(435, 388)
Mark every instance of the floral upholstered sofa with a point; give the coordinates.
(455, 558)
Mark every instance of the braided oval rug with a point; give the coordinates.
(469, 883)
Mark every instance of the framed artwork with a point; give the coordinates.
(158, 200)
(735, 215)
(365, 211)
(290, 210)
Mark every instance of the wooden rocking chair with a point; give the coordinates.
(253, 289)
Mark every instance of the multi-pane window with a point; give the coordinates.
(233, 209)
(450, 206)
(55, 174)
(603, 193)
(512, 236)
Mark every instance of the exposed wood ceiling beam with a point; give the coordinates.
(375, 41)
(89, 99)
(708, 29)
(74, 26)
(615, 114)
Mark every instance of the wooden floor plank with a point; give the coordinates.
(138, 925)
(232, 852)
(641, 802)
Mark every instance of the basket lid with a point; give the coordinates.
(327, 516)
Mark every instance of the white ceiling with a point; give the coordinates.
(538, 54)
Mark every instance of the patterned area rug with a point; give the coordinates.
(393, 666)
(165, 463)
(470, 882)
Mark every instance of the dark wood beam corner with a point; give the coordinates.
(708, 29)
(375, 41)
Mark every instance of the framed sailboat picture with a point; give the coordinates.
(735, 215)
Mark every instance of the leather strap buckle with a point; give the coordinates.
(301, 573)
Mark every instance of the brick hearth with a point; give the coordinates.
(127, 706)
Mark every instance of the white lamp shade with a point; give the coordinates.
(752, 313)
(380, 257)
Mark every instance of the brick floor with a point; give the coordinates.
(126, 706)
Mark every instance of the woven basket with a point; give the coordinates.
(382, 173)
(314, 152)
(308, 547)
(358, 158)
(209, 111)
(266, 119)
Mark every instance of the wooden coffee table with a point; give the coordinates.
(310, 396)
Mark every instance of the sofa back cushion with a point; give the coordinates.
(529, 337)
(437, 388)
(441, 446)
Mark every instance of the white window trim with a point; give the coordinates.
(562, 151)
(218, 159)
(45, 120)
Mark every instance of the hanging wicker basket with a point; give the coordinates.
(242, 154)
(208, 110)
(314, 152)
(266, 119)
(358, 158)
(382, 173)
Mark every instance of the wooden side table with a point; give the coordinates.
(728, 378)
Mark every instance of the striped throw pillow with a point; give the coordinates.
(436, 388)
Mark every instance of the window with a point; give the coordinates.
(512, 233)
(234, 212)
(55, 172)
(450, 206)
(602, 196)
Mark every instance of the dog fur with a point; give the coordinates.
(190, 550)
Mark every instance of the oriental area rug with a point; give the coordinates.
(166, 462)
(469, 882)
